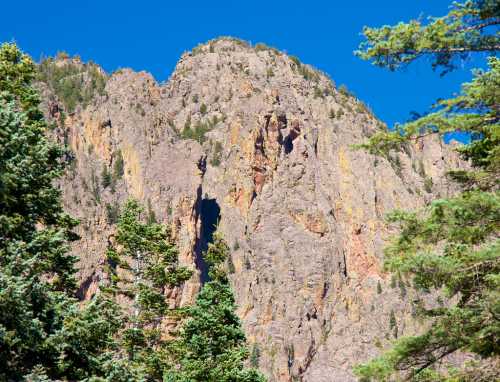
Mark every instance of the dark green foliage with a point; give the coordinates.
(428, 183)
(379, 288)
(95, 187)
(305, 71)
(142, 265)
(140, 110)
(295, 60)
(255, 356)
(118, 166)
(332, 114)
(473, 111)
(392, 320)
(263, 47)
(203, 109)
(344, 91)
(112, 212)
(44, 334)
(212, 345)
(362, 108)
(198, 131)
(402, 288)
(452, 245)
(230, 265)
(260, 46)
(27, 197)
(318, 93)
(73, 82)
(106, 177)
(466, 29)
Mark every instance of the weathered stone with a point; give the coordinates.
(302, 212)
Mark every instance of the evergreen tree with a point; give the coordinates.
(106, 177)
(142, 265)
(452, 244)
(212, 345)
(44, 335)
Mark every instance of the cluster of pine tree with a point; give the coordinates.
(451, 246)
(46, 334)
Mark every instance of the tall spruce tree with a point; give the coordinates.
(142, 264)
(212, 345)
(452, 245)
(44, 335)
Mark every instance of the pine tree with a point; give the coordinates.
(106, 177)
(43, 332)
(143, 263)
(212, 345)
(452, 244)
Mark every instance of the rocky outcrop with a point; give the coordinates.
(301, 211)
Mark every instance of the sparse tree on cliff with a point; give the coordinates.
(452, 244)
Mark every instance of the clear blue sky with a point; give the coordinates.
(151, 35)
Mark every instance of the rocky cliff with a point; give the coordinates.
(254, 140)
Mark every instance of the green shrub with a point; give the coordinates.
(106, 177)
(198, 131)
(344, 91)
(230, 264)
(118, 167)
(140, 110)
(295, 60)
(428, 183)
(95, 187)
(260, 46)
(392, 320)
(203, 109)
(73, 83)
(332, 114)
(421, 169)
(361, 108)
(308, 74)
(318, 93)
(255, 356)
(402, 288)
(112, 212)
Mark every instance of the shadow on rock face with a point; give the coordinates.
(209, 215)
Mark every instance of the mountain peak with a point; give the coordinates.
(259, 143)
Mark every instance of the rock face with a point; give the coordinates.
(301, 211)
